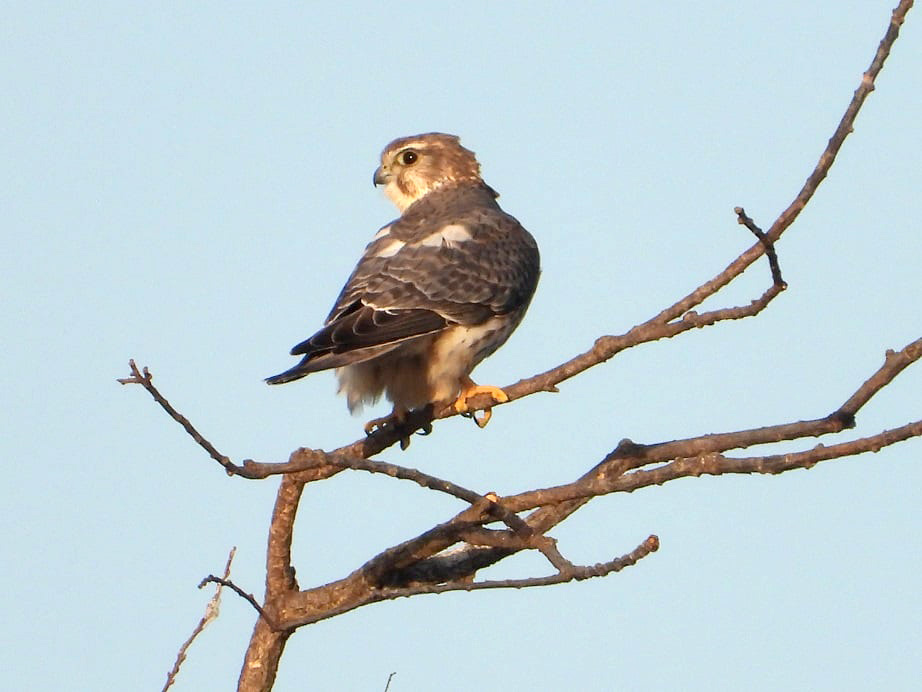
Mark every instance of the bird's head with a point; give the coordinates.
(412, 167)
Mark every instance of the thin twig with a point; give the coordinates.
(894, 363)
(144, 378)
(574, 573)
(389, 677)
(248, 597)
(211, 613)
(767, 244)
(846, 124)
(303, 459)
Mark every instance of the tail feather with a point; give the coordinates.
(287, 376)
(315, 362)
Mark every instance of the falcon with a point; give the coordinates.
(435, 292)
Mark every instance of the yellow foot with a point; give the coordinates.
(468, 391)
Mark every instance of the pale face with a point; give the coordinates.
(412, 167)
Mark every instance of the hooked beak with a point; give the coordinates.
(381, 176)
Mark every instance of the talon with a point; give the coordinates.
(482, 422)
(376, 424)
(395, 419)
(469, 390)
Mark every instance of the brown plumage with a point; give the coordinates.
(435, 292)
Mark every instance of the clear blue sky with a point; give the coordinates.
(189, 185)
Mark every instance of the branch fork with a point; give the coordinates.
(448, 556)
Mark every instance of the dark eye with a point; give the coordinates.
(408, 157)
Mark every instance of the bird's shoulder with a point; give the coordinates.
(470, 205)
(452, 238)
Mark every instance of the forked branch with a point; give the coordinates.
(448, 556)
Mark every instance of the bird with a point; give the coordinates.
(435, 292)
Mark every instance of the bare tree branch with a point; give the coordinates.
(434, 562)
(145, 379)
(388, 685)
(248, 597)
(689, 457)
(211, 613)
(650, 545)
(267, 643)
(419, 561)
(769, 246)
